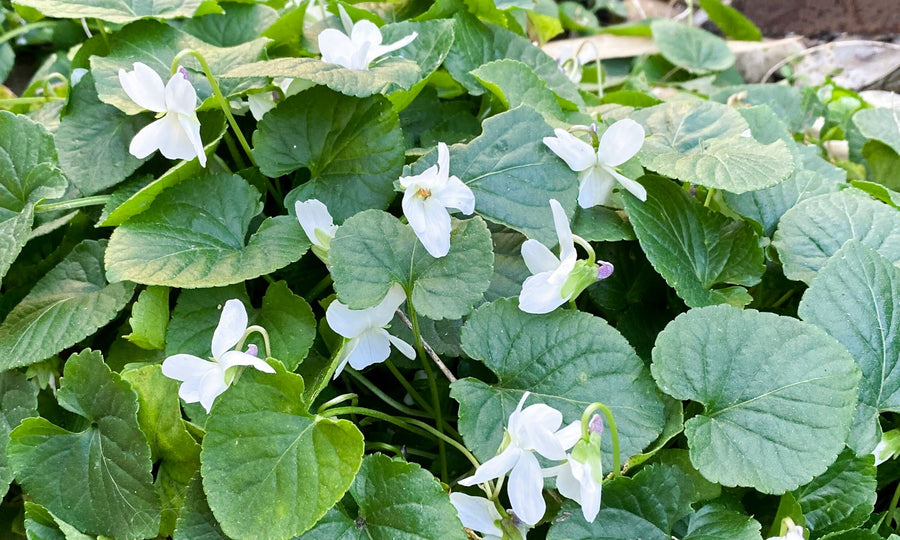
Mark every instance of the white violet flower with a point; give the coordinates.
(369, 342)
(426, 199)
(580, 478)
(794, 532)
(597, 173)
(177, 133)
(318, 225)
(478, 514)
(359, 47)
(203, 380)
(536, 429)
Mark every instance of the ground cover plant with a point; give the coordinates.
(387, 270)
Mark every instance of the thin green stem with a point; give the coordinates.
(417, 397)
(334, 401)
(72, 204)
(709, 196)
(892, 508)
(103, 33)
(784, 298)
(265, 336)
(613, 430)
(592, 257)
(217, 92)
(317, 289)
(233, 150)
(24, 29)
(12, 102)
(432, 384)
(361, 379)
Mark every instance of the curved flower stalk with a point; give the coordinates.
(359, 47)
(597, 173)
(428, 196)
(580, 478)
(177, 133)
(369, 343)
(318, 225)
(203, 380)
(557, 280)
(535, 429)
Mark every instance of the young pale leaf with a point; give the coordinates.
(394, 500)
(93, 139)
(373, 250)
(517, 84)
(856, 299)
(149, 319)
(693, 49)
(566, 359)
(752, 431)
(703, 142)
(730, 21)
(196, 520)
(69, 303)
(352, 147)
(842, 497)
(267, 464)
(121, 11)
(879, 124)
(811, 232)
(101, 478)
(193, 236)
(695, 249)
(644, 507)
(512, 173)
(18, 403)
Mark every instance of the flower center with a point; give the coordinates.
(424, 193)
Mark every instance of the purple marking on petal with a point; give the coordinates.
(253, 350)
(605, 270)
(596, 424)
(184, 73)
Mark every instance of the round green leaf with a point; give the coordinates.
(713, 522)
(394, 500)
(267, 464)
(842, 497)
(693, 49)
(778, 394)
(695, 249)
(514, 83)
(196, 520)
(703, 142)
(566, 359)
(879, 124)
(811, 232)
(373, 249)
(193, 235)
(352, 147)
(69, 303)
(19, 402)
(101, 480)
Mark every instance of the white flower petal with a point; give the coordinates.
(566, 483)
(538, 258)
(372, 347)
(477, 513)
(353, 322)
(595, 187)
(563, 231)
(381, 50)
(569, 435)
(211, 386)
(577, 154)
(144, 86)
(426, 179)
(238, 358)
(180, 95)
(336, 47)
(620, 142)
(495, 467)
(313, 214)
(231, 327)
(455, 194)
(191, 127)
(525, 486)
(435, 235)
(182, 367)
(405, 348)
(146, 141)
(173, 141)
(540, 294)
(633, 187)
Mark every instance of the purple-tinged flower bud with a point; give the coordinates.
(183, 72)
(605, 270)
(596, 424)
(253, 350)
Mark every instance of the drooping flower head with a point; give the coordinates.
(596, 168)
(203, 380)
(369, 343)
(318, 225)
(359, 47)
(481, 515)
(428, 196)
(580, 478)
(535, 429)
(177, 133)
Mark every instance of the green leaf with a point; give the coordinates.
(811, 232)
(269, 465)
(18, 403)
(883, 194)
(812, 176)
(730, 21)
(516, 84)
(713, 522)
(156, 44)
(394, 500)
(884, 163)
(149, 319)
(842, 497)
(196, 520)
(644, 507)
(428, 50)
(352, 147)
(40, 524)
(512, 173)
(290, 323)
(100, 481)
(69, 303)
(856, 299)
(116, 11)
(193, 235)
(93, 140)
(566, 359)
(509, 267)
(477, 43)
(789, 103)
(752, 431)
(695, 249)
(856, 534)
(879, 124)
(372, 250)
(196, 316)
(702, 142)
(15, 227)
(240, 23)
(693, 49)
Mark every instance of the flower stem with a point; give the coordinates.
(24, 29)
(709, 195)
(361, 379)
(892, 508)
(317, 289)
(71, 204)
(592, 257)
(334, 401)
(408, 387)
(432, 384)
(613, 430)
(217, 92)
(433, 355)
(265, 336)
(12, 102)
